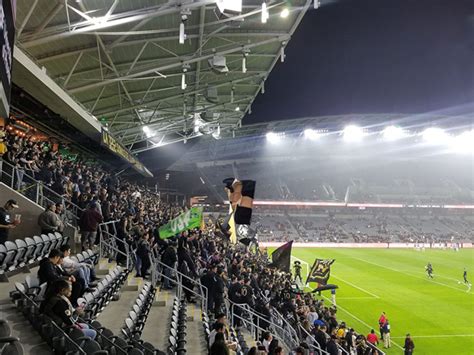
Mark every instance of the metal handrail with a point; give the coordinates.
(254, 320)
(158, 266)
(40, 198)
(314, 343)
(108, 242)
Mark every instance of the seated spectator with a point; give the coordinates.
(372, 338)
(88, 225)
(59, 308)
(77, 269)
(49, 272)
(219, 346)
(49, 221)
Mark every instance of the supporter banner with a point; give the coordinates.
(187, 220)
(7, 40)
(114, 146)
(281, 257)
(320, 271)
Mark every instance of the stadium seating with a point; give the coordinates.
(177, 337)
(8, 345)
(25, 252)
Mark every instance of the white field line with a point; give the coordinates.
(358, 319)
(437, 336)
(410, 274)
(357, 287)
(355, 298)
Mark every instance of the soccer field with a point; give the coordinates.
(438, 313)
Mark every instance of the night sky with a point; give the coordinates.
(378, 56)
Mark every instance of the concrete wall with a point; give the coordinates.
(29, 213)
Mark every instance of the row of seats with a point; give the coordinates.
(35, 290)
(24, 252)
(9, 345)
(177, 338)
(107, 289)
(71, 341)
(242, 347)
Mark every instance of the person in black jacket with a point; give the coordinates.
(143, 252)
(209, 280)
(49, 272)
(219, 291)
(58, 307)
(169, 258)
(331, 346)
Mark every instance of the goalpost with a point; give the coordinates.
(305, 267)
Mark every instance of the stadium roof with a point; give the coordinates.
(122, 60)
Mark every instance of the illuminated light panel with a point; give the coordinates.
(311, 134)
(393, 133)
(273, 137)
(434, 135)
(353, 133)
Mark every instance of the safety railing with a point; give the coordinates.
(110, 246)
(312, 343)
(162, 270)
(19, 180)
(253, 321)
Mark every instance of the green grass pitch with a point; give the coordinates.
(439, 313)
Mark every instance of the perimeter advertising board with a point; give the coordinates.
(7, 41)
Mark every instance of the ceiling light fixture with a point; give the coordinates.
(265, 14)
(285, 13)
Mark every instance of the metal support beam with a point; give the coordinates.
(72, 69)
(26, 19)
(179, 64)
(52, 14)
(173, 97)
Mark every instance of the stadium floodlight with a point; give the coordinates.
(237, 109)
(273, 137)
(148, 132)
(353, 133)
(435, 135)
(285, 13)
(311, 134)
(463, 143)
(393, 133)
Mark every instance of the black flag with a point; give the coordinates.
(320, 271)
(281, 257)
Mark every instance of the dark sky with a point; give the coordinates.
(377, 56)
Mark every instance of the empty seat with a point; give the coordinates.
(19, 260)
(39, 253)
(10, 252)
(30, 251)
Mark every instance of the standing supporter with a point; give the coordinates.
(386, 334)
(143, 253)
(409, 345)
(169, 258)
(88, 224)
(6, 222)
(382, 320)
(49, 221)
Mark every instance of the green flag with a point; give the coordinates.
(187, 220)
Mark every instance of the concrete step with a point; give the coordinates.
(196, 342)
(157, 327)
(113, 316)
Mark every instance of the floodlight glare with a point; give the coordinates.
(434, 135)
(148, 132)
(311, 134)
(284, 13)
(273, 137)
(464, 143)
(393, 133)
(353, 133)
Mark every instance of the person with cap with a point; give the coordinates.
(6, 222)
(48, 220)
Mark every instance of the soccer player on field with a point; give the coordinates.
(464, 275)
(429, 270)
